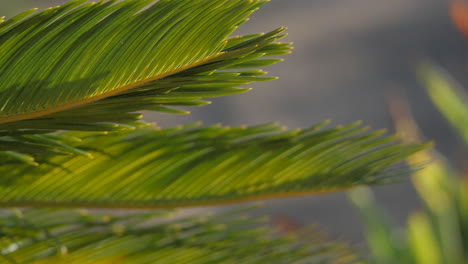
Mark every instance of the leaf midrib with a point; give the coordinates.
(160, 205)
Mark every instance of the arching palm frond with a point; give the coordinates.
(39, 236)
(71, 55)
(71, 74)
(93, 66)
(186, 166)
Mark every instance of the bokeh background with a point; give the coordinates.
(349, 56)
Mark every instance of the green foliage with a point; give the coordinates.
(73, 81)
(97, 64)
(64, 236)
(448, 96)
(85, 52)
(437, 235)
(88, 86)
(189, 165)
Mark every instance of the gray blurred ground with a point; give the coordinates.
(348, 55)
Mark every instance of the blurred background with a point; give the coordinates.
(349, 56)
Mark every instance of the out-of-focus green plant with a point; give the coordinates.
(64, 236)
(439, 233)
(449, 97)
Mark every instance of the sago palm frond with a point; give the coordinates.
(189, 165)
(92, 66)
(105, 56)
(100, 63)
(72, 82)
(60, 236)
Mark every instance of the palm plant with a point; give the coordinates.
(73, 81)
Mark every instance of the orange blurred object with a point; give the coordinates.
(459, 13)
(285, 224)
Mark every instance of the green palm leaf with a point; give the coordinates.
(92, 67)
(108, 59)
(39, 236)
(188, 166)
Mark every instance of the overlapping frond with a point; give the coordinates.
(27, 146)
(189, 166)
(93, 66)
(185, 88)
(60, 236)
(85, 51)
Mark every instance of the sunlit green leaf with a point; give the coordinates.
(188, 166)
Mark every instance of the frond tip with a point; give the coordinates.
(191, 166)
